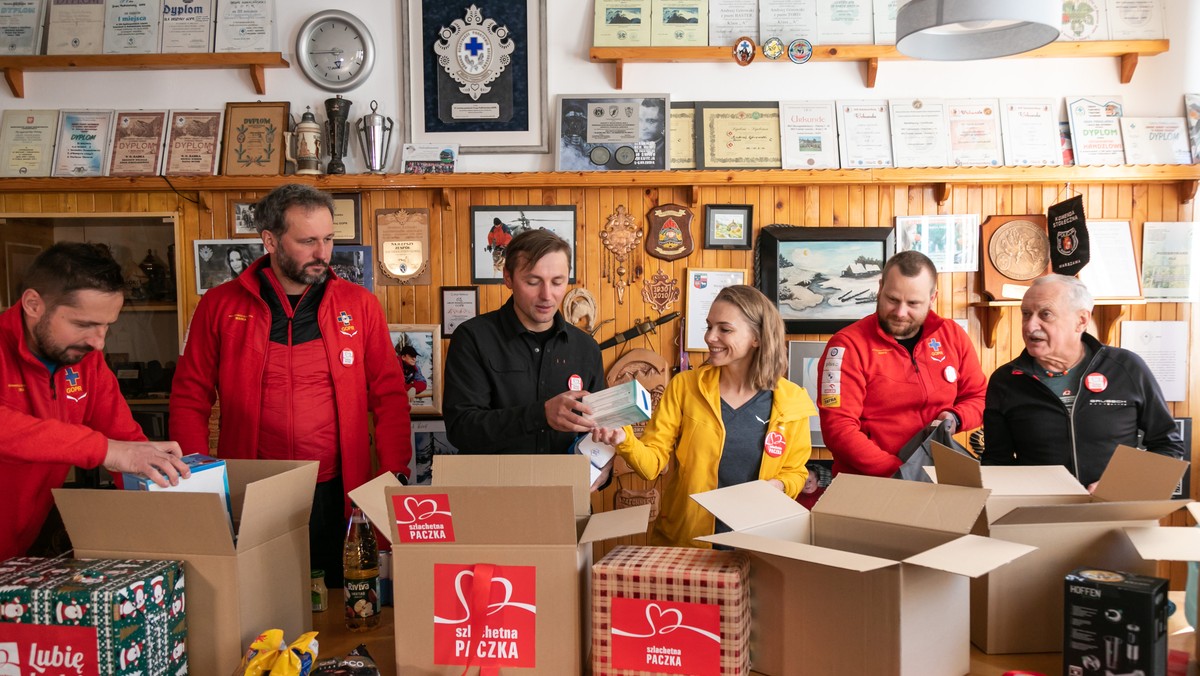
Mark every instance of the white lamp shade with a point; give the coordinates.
(962, 30)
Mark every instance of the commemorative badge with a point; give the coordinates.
(660, 291)
(403, 244)
(935, 350)
(800, 50)
(773, 48)
(670, 232)
(474, 52)
(74, 390)
(744, 50)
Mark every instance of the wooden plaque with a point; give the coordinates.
(1015, 251)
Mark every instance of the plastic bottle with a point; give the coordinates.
(360, 559)
(320, 593)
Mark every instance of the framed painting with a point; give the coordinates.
(823, 279)
(728, 226)
(476, 75)
(493, 227)
(419, 349)
(219, 260)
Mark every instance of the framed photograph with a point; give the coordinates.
(951, 241)
(241, 214)
(419, 350)
(492, 228)
(823, 279)
(612, 133)
(803, 357)
(253, 143)
(459, 303)
(219, 260)
(738, 135)
(353, 264)
(17, 259)
(703, 285)
(477, 76)
(347, 218)
(429, 439)
(728, 226)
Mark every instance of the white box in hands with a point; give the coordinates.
(620, 405)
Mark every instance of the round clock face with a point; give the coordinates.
(335, 50)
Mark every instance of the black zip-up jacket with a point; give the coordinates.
(1025, 423)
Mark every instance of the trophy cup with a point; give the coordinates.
(307, 142)
(337, 126)
(374, 138)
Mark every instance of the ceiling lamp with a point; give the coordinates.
(962, 30)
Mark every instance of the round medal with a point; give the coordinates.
(773, 48)
(800, 50)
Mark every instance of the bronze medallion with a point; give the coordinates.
(1016, 251)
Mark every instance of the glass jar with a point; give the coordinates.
(320, 593)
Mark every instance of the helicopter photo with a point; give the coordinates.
(492, 228)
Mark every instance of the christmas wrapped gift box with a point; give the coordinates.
(671, 610)
(123, 617)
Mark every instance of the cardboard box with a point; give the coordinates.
(100, 616)
(1019, 608)
(235, 590)
(873, 581)
(520, 521)
(678, 610)
(1114, 621)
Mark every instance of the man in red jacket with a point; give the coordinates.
(888, 375)
(297, 356)
(60, 405)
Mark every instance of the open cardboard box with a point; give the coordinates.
(523, 522)
(1019, 608)
(234, 590)
(873, 581)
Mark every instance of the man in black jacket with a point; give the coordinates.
(1068, 399)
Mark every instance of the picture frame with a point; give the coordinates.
(738, 135)
(728, 226)
(844, 264)
(425, 340)
(803, 358)
(703, 285)
(17, 259)
(138, 138)
(253, 139)
(509, 116)
(603, 132)
(429, 439)
(215, 263)
(347, 218)
(459, 303)
(487, 255)
(353, 263)
(83, 143)
(951, 241)
(241, 215)
(192, 144)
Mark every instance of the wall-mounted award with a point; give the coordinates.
(27, 142)
(1016, 251)
(669, 233)
(21, 26)
(402, 244)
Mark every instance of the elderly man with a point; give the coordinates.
(890, 374)
(1068, 399)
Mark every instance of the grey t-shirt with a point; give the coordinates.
(745, 434)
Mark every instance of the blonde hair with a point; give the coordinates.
(770, 360)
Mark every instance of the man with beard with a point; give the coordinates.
(1068, 399)
(888, 375)
(60, 405)
(297, 357)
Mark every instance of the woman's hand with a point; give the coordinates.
(604, 435)
(776, 483)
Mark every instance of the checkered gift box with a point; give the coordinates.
(672, 610)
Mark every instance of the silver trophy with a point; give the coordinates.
(337, 127)
(375, 138)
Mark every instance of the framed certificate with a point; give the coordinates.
(612, 133)
(703, 285)
(21, 26)
(1155, 140)
(137, 142)
(864, 134)
(253, 144)
(808, 135)
(1096, 129)
(459, 303)
(975, 133)
(920, 136)
(732, 135)
(83, 143)
(622, 23)
(347, 218)
(682, 133)
(1112, 271)
(27, 142)
(679, 23)
(192, 139)
(1030, 132)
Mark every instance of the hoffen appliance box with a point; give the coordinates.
(491, 563)
(1115, 622)
(236, 587)
(92, 616)
(1019, 608)
(873, 581)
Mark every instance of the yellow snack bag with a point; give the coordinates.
(263, 653)
(298, 659)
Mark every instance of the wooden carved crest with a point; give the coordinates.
(660, 290)
(621, 237)
(669, 235)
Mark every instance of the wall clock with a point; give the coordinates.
(335, 50)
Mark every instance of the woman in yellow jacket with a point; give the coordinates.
(733, 420)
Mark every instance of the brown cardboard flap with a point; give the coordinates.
(371, 499)
(1166, 544)
(749, 505)
(1032, 480)
(277, 499)
(949, 509)
(797, 551)
(499, 515)
(1094, 512)
(970, 555)
(145, 522)
(518, 470)
(615, 524)
(1139, 475)
(954, 468)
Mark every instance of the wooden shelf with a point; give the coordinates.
(142, 306)
(15, 67)
(1106, 313)
(1126, 51)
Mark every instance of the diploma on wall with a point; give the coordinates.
(82, 146)
(622, 23)
(920, 135)
(21, 26)
(679, 23)
(975, 133)
(729, 20)
(27, 142)
(131, 26)
(738, 135)
(1136, 20)
(1030, 132)
(1112, 272)
(845, 22)
(808, 134)
(864, 134)
(1167, 271)
(245, 26)
(787, 20)
(1155, 140)
(187, 26)
(193, 137)
(75, 27)
(1096, 129)
(1164, 348)
(137, 143)
(1084, 20)
(683, 135)
(885, 21)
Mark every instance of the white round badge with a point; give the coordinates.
(950, 373)
(1096, 382)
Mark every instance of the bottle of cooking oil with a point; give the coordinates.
(361, 561)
